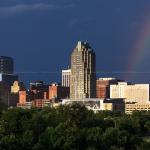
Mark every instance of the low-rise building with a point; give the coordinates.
(17, 86)
(103, 87)
(38, 90)
(26, 105)
(41, 103)
(22, 97)
(98, 104)
(133, 106)
(131, 92)
(58, 92)
(8, 79)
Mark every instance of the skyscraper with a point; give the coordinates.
(7, 75)
(83, 76)
(6, 65)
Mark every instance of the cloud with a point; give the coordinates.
(20, 8)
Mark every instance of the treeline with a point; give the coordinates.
(73, 128)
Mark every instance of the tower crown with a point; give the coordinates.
(82, 46)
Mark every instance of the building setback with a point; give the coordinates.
(83, 72)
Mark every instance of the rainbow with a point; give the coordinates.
(140, 49)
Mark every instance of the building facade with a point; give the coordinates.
(6, 65)
(83, 72)
(58, 92)
(22, 97)
(103, 87)
(4, 93)
(97, 104)
(130, 107)
(38, 90)
(8, 79)
(66, 77)
(17, 86)
(131, 92)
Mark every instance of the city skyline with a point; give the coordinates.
(74, 74)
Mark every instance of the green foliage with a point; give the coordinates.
(73, 128)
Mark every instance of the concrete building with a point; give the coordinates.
(38, 90)
(6, 97)
(17, 86)
(41, 103)
(22, 97)
(7, 75)
(96, 104)
(13, 99)
(103, 87)
(66, 74)
(131, 92)
(130, 107)
(6, 65)
(83, 72)
(4, 93)
(26, 105)
(8, 79)
(58, 92)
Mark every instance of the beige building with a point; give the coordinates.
(66, 77)
(114, 105)
(131, 92)
(17, 86)
(130, 107)
(83, 72)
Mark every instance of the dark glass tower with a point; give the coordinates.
(6, 65)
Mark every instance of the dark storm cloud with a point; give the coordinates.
(46, 31)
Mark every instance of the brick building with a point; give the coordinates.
(103, 87)
(58, 92)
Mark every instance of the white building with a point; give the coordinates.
(66, 77)
(96, 104)
(131, 92)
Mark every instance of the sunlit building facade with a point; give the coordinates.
(66, 74)
(83, 72)
(131, 92)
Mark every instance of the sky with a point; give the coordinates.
(40, 35)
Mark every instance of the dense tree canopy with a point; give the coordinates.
(73, 128)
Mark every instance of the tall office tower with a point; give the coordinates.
(66, 77)
(83, 76)
(6, 65)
